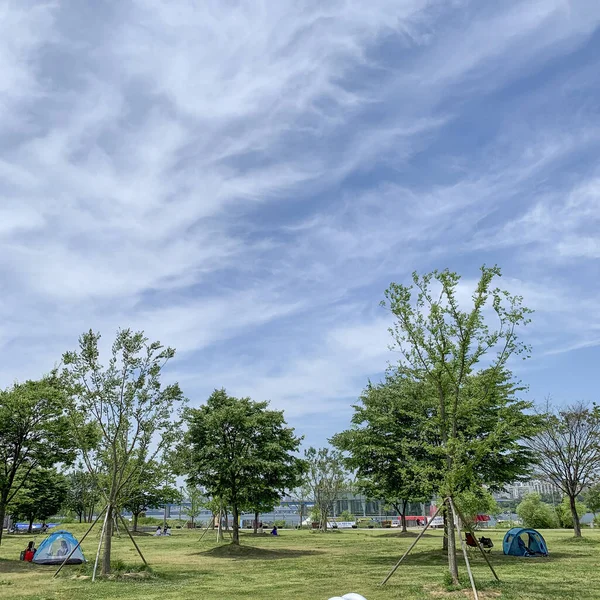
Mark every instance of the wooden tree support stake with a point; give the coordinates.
(463, 545)
(131, 538)
(411, 547)
(472, 532)
(64, 562)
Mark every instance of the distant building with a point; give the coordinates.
(517, 490)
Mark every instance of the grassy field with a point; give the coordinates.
(302, 565)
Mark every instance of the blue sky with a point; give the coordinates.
(243, 179)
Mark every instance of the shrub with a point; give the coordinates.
(563, 511)
(537, 514)
(346, 515)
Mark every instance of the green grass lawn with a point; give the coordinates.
(302, 565)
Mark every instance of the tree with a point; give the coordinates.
(386, 447)
(34, 433)
(146, 490)
(564, 514)
(41, 496)
(568, 451)
(472, 503)
(441, 347)
(326, 478)
(134, 416)
(234, 447)
(82, 494)
(536, 514)
(592, 498)
(197, 501)
(302, 495)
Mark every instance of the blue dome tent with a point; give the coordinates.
(521, 541)
(56, 547)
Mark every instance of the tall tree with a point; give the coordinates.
(145, 491)
(386, 444)
(34, 432)
(234, 445)
(125, 402)
(327, 479)
(82, 494)
(592, 498)
(197, 501)
(302, 495)
(568, 451)
(442, 346)
(42, 496)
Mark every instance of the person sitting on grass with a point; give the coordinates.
(274, 532)
(29, 552)
(158, 531)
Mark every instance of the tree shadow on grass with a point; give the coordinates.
(406, 536)
(253, 553)
(438, 557)
(15, 566)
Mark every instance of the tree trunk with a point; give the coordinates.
(452, 564)
(135, 521)
(255, 522)
(323, 524)
(220, 528)
(301, 514)
(236, 525)
(2, 516)
(165, 518)
(79, 515)
(403, 516)
(107, 541)
(30, 528)
(576, 524)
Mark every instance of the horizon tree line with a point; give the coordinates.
(448, 421)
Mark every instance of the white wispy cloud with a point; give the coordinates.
(243, 180)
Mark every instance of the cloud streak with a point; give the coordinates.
(242, 180)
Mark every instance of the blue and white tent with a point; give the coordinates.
(522, 541)
(56, 547)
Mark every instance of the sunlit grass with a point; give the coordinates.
(302, 565)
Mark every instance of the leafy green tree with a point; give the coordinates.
(42, 495)
(471, 503)
(592, 498)
(564, 514)
(327, 478)
(34, 433)
(197, 500)
(146, 490)
(385, 446)
(133, 414)
(302, 495)
(537, 514)
(568, 451)
(82, 494)
(235, 446)
(442, 346)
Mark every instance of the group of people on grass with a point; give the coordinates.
(159, 530)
